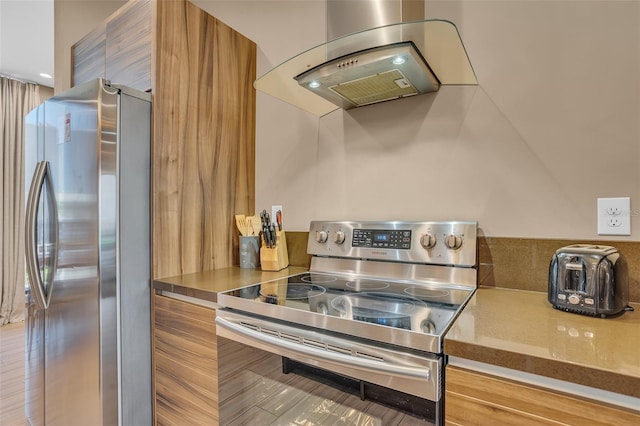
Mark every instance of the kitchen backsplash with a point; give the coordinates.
(517, 263)
(523, 263)
(297, 248)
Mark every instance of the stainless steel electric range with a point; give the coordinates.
(374, 306)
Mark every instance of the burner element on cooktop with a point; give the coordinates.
(377, 304)
(379, 308)
(367, 285)
(302, 291)
(318, 278)
(426, 292)
(290, 292)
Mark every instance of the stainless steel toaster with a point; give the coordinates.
(589, 279)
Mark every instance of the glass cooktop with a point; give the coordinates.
(413, 306)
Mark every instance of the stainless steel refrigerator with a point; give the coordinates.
(88, 356)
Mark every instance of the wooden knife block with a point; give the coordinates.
(276, 258)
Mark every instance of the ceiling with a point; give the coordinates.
(26, 40)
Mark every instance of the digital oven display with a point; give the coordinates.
(378, 238)
(381, 238)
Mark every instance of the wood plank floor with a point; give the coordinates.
(12, 375)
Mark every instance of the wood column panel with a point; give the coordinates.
(204, 139)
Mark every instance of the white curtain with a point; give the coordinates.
(16, 100)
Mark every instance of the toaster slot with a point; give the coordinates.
(575, 279)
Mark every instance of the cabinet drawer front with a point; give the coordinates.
(196, 381)
(177, 320)
(462, 410)
(474, 398)
(88, 56)
(128, 46)
(193, 354)
(185, 393)
(196, 312)
(186, 363)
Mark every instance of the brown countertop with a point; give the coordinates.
(206, 285)
(514, 329)
(520, 330)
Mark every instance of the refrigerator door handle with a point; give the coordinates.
(41, 175)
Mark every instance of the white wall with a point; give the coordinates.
(552, 126)
(26, 45)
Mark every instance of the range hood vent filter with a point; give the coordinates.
(373, 75)
(376, 88)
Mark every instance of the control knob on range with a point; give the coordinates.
(321, 236)
(428, 241)
(574, 299)
(453, 241)
(338, 237)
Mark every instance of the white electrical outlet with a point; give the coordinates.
(274, 211)
(614, 216)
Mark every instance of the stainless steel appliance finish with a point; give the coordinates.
(589, 279)
(87, 246)
(375, 305)
(406, 372)
(355, 67)
(347, 17)
(370, 76)
(451, 244)
(356, 74)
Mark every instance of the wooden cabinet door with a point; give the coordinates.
(88, 56)
(186, 363)
(128, 46)
(473, 398)
(118, 49)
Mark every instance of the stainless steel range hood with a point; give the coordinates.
(376, 53)
(370, 76)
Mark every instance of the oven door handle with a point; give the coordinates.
(358, 362)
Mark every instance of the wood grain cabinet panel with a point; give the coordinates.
(119, 49)
(88, 57)
(186, 363)
(201, 73)
(128, 46)
(474, 398)
(204, 139)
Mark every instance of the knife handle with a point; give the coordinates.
(265, 235)
(272, 233)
